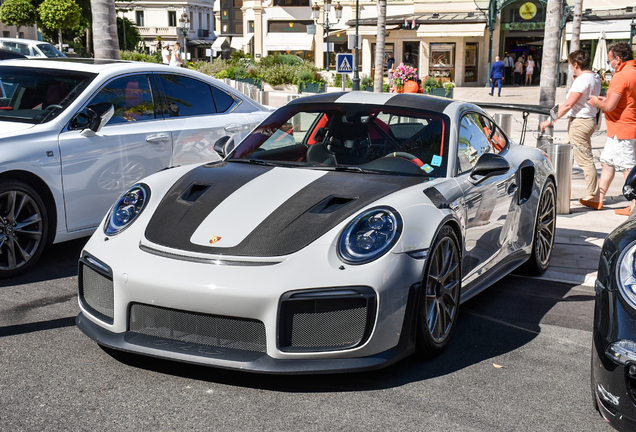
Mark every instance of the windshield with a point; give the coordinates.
(50, 51)
(31, 95)
(360, 138)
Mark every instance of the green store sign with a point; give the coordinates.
(524, 26)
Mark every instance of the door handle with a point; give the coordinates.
(157, 138)
(512, 188)
(231, 128)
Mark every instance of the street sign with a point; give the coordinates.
(344, 63)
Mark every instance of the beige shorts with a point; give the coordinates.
(619, 153)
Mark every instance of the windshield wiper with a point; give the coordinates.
(255, 162)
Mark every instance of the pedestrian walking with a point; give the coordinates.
(389, 68)
(165, 54)
(529, 70)
(509, 64)
(175, 59)
(497, 71)
(518, 70)
(620, 117)
(582, 121)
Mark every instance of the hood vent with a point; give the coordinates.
(330, 205)
(194, 192)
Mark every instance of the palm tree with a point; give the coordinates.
(550, 60)
(105, 29)
(378, 80)
(576, 33)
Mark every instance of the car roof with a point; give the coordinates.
(27, 41)
(90, 65)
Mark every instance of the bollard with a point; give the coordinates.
(227, 81)
(291, 97)
(253, 90)
(505, 122)
(561, 157)
(544, 138)
(262, 97)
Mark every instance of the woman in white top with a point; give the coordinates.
(582, 122)
(175, 60)
(165, 54)
(529, 70)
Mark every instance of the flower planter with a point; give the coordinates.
(258, 82)
(440, 92)
(311, 87)
(369, 88)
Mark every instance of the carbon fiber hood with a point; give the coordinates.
(252, 210)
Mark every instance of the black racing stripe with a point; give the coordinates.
(174, 213)
(293, 225)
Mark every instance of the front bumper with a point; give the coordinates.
(613, 389)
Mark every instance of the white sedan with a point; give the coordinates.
(74, 134)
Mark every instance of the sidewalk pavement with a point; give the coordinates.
(580, 234)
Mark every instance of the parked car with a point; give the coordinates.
(74, 134)
(30, 48)
(341, 234)
(614, 333)
(6, 55)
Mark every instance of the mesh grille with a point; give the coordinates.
(219, 331)
(97, 291)
(328, 323)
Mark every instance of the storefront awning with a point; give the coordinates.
(289, 42)
(369, 30)
(199, 42)
(614, 29)
(458, 30)
(218, 42)
(239, 42)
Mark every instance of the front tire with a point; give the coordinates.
(545, 227)
(439, 299)
(23, 228)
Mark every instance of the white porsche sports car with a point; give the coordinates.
(341, 234)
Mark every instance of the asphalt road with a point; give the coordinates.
(519, 361)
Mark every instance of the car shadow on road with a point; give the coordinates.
(56, 262)
(502, 319)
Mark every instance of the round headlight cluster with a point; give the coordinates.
(370, 235)
(129, 205)
(627, 274)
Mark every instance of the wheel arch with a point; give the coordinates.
(43, 191)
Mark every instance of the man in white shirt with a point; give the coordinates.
(509, 65)
(165, 54)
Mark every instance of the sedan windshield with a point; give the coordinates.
(355, 138)
(31, 95)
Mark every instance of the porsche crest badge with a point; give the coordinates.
(215, 240)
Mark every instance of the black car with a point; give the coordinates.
(614, 335)
(6, 55)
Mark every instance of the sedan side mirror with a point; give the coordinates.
(489, 164)
(98, 115)
(629, 188)
(224, 146)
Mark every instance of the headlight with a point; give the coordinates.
(129, 205)
(370, 235)
(627, 274)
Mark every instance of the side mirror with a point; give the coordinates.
(554, 112)
(629, 188)
(224, 146)
(98, 115)
(489, 164)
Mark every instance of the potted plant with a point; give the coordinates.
(401, 75)
(311, 82)
(366, 83)
(434, 87)
(249, 75)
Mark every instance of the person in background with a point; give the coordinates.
(620, 117)
(509, 64)
(165, 54)
(389, 67)
(529, 70)
(175, 59)
(518, 70)
(582, 122)
(497, 71)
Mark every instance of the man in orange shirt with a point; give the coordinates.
(620, 117)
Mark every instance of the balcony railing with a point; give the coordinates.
(167, 31)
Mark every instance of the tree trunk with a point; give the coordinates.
(59, 38)
(378, 79)
(105, 39)
(89, 41)
(576, 33)
(550, 60)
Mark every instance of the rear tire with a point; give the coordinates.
(440, 292)
(23, 228)
(545, 227)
